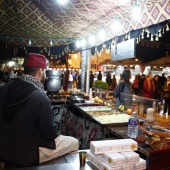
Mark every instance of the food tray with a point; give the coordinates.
(110, 115)
(95, 108)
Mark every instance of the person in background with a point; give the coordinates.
(99, 77)
(1, 78)
(109, 80)
(62, 79)
(79, 81)
(70, 80)
(135, 85)
(166, 95)
(163, 79)
(114, 82)
(91, 79)
(148, 87)
(28, 133)
(124, 86)
(140, 84)
(157, 92)
(148, 92)
(74, 79)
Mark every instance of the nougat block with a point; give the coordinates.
(109, 146)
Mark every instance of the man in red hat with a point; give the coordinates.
(28, 135)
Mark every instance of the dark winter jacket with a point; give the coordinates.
(27, 123)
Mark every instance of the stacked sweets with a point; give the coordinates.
(115, 155)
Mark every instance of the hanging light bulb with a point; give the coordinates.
(51, 42)
(83, 42)
(167, 27)
(136, 12)
(151, 38)
(29, 42)
(116, 26)
(91, 40)
(78, 44)
(142, 36)
(62, 2)
(102, 34)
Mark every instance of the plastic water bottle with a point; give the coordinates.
(133, 126)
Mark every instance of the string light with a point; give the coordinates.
(116, 26)
(101, 34)
(136, 12)
(91, 40)
(62, 2)
(83, 42)
(51, 42)
(29, 42)
(78, 44)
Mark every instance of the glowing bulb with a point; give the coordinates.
(136, 13)
(62, 2)
(83, 42)
(29, 42)
(102, 34)
(51, 42)
(116, 26)
(91, 40)
(78, 44)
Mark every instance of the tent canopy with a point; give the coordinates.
(164, 62)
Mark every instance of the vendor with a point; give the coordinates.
(28, 134)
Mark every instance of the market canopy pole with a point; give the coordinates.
(85, 70)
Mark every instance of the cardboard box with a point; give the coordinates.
(99, 162)
(104, 166)
(141, 164)
(129, 167)
(114, 159)
(131, 157)
(91, 157)
(109, 146)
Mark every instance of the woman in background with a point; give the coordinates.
(135, 85)
(124, 86)
(157, 92)
(148, 87)
(166, 95)
(114, 82)
(109, 80)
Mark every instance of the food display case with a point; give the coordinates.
(139, 104)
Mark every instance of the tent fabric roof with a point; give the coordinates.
(45, 20)
(164, 62)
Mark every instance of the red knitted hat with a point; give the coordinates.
(35, 60)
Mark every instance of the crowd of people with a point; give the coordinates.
(157, 87)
